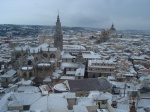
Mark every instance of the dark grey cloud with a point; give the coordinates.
(125, 14)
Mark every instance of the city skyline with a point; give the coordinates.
(125, 14)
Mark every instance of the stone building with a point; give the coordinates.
(98, 68)
(35, 63)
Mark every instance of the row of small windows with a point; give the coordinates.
(51, 55)
(103, 64)
(43, 69)
(101, 69)
(70, 75)
(25, 74)
(74, 50)
(71, 69)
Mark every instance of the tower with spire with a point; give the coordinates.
(112, 27)
(58, 37)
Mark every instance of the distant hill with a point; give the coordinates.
(35, 30)
(11, 30)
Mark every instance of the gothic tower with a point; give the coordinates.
(58, 37)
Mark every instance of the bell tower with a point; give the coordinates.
(58, 37)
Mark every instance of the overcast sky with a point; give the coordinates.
(125, 14)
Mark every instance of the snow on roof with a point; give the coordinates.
(121, 110)
(91, 56)
(4, 102)
(44, 64)
(69, 65)
(102, 110)
(51, 102)
(141, 57)
(113, 67)
(55, 74)
(67, 77)
(10, 73)
(43, 47)
(70, 95)
(15, 103)
(132, 70)
(77, 47)
(24, 82)
(130, 39)
(108, 96)
(30, 57)
(70, 72)
(27, 98)
(103, 61)
(128, 75)
(80, 72)
(67, 55)
(79, 108)
(100, 96)
(56, 110)
(123, 105)
(144, 103)
(14, 111)
(86, 101)
(30, 89)
(27, 68)
(58, 71)
(47, 79)
(60, 87)
(43, 89)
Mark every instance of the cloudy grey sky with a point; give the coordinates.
(125, 14)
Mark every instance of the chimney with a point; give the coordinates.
(132, 107)
(114, 102)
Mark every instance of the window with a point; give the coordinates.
(52, 56)
(18, 55)
(29, 62)
(45, 55)
(30, 74)
(93, 76)
(104, 101)
(99, 105)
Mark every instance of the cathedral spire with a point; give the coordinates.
(58, 17)
(58, 37)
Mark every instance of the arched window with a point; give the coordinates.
(18, 55)
(29, 62)
(46, 68)
(40, 69)
(52, 56)
(30, 74)
(45, 55)
(36, 58)
(100, 75)
(24, 75)
(93, 76)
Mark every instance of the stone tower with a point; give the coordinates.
(58, 37)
